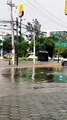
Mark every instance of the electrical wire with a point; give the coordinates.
(49, 12)
(5, 29)
(34, 10)
(42, 14)
(46, 15)
(2, 3)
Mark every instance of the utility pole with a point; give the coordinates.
(34, 47)
(17, 28)
(16, 47)
(12, 31)
(20, 28)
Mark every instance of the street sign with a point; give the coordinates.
(21, 10)
(62, 44)
(66, 7)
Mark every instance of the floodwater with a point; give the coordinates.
(24, 96)
(22, 80)
(34, 75)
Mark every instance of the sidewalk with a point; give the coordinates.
(22, 64)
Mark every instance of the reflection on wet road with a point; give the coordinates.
(49, 74)
(14, 80)
(33, 94)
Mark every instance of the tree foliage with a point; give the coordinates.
(7, 43)
(34, 27)
(21, 47)
(64, 53)
(44, 44)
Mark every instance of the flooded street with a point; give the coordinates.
(33, 93)
(14, 80)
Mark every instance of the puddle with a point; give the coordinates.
(36, 75)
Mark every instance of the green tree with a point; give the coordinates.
(44, 44)
(58, 50)
(21, 47)
(0, 44)
(64, 53)
(7, 43)
(37, 28)
(50, 47)
(34, 27)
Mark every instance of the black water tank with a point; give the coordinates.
(43, 56)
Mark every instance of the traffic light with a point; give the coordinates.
(66, 7)
(21, 10)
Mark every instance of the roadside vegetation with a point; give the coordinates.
(24, 45)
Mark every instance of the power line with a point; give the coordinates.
(49, 12)
(5, 29)
(4, 32)
(42, 14)
(4, 21)
(34, 10)
(45, 14)
(2, 3)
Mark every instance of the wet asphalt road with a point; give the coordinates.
(29, 101)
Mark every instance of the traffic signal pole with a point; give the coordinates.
(20, 27)
(16, 47)
(17, 28)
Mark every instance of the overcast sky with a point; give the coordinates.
(50, 13)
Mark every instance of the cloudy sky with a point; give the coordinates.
(50, 13)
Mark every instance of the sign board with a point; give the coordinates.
(66, 7)
(61, 44)
(21, 10)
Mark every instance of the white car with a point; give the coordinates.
(7, 55)
(32, 56)
(64, 62)
(58, 58)
(49, 58)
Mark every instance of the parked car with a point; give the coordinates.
(49, 58)
(56, 58)
(7, 56)
(32, 56)
(64, 62)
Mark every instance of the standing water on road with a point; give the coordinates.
(41, 74)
